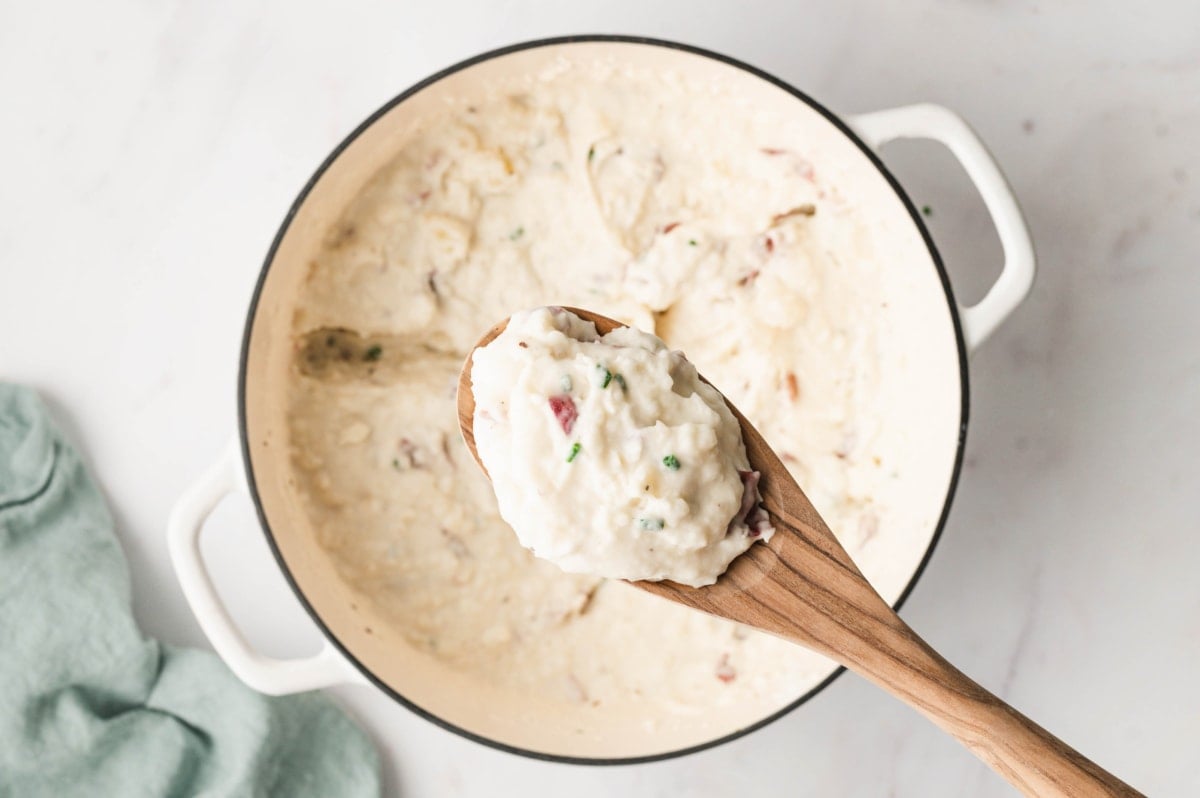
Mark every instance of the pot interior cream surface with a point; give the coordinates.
(656, 186)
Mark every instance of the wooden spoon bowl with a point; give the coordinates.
(801, 585)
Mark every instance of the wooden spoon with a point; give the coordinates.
(802, 586)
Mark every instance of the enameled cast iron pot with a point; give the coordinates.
(934, 333)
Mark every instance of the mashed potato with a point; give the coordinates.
(609, 455)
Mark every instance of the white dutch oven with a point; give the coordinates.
(929, 399)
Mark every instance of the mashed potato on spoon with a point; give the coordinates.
(609, 455)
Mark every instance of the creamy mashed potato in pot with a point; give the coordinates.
(622, 191)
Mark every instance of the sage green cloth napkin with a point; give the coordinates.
(90, 706)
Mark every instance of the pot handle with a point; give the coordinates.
(943, 125)
(265, 674)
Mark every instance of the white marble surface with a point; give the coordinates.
(149, 150)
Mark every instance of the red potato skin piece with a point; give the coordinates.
(749, 494)
(750, 513)
(793, 386)
(563, 408)
(724, 671)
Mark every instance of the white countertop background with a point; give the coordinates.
(148, 152)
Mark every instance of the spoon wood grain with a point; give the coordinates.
(803, 586)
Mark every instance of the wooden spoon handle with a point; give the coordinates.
(804, 587)
(1029, 757)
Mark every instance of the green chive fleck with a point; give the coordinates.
(928, 211)
(671, 462)
(373, 353)
(591, 153)
(396, 464)
(603, 376)
(575, 447)
(621, 381)
(651, 523)
(691, 242)
(565, 383)
(515, 234)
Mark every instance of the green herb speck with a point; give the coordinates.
(621, 381)
(515, 234)
(565, 383)
(691, 242)
(671, 462)
(575, 447)
(603, 376)
(928, 211)
(373, 353)
(396, 464)
(591, 153)
(651, 523)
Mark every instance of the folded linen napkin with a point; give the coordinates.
(88, 704)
